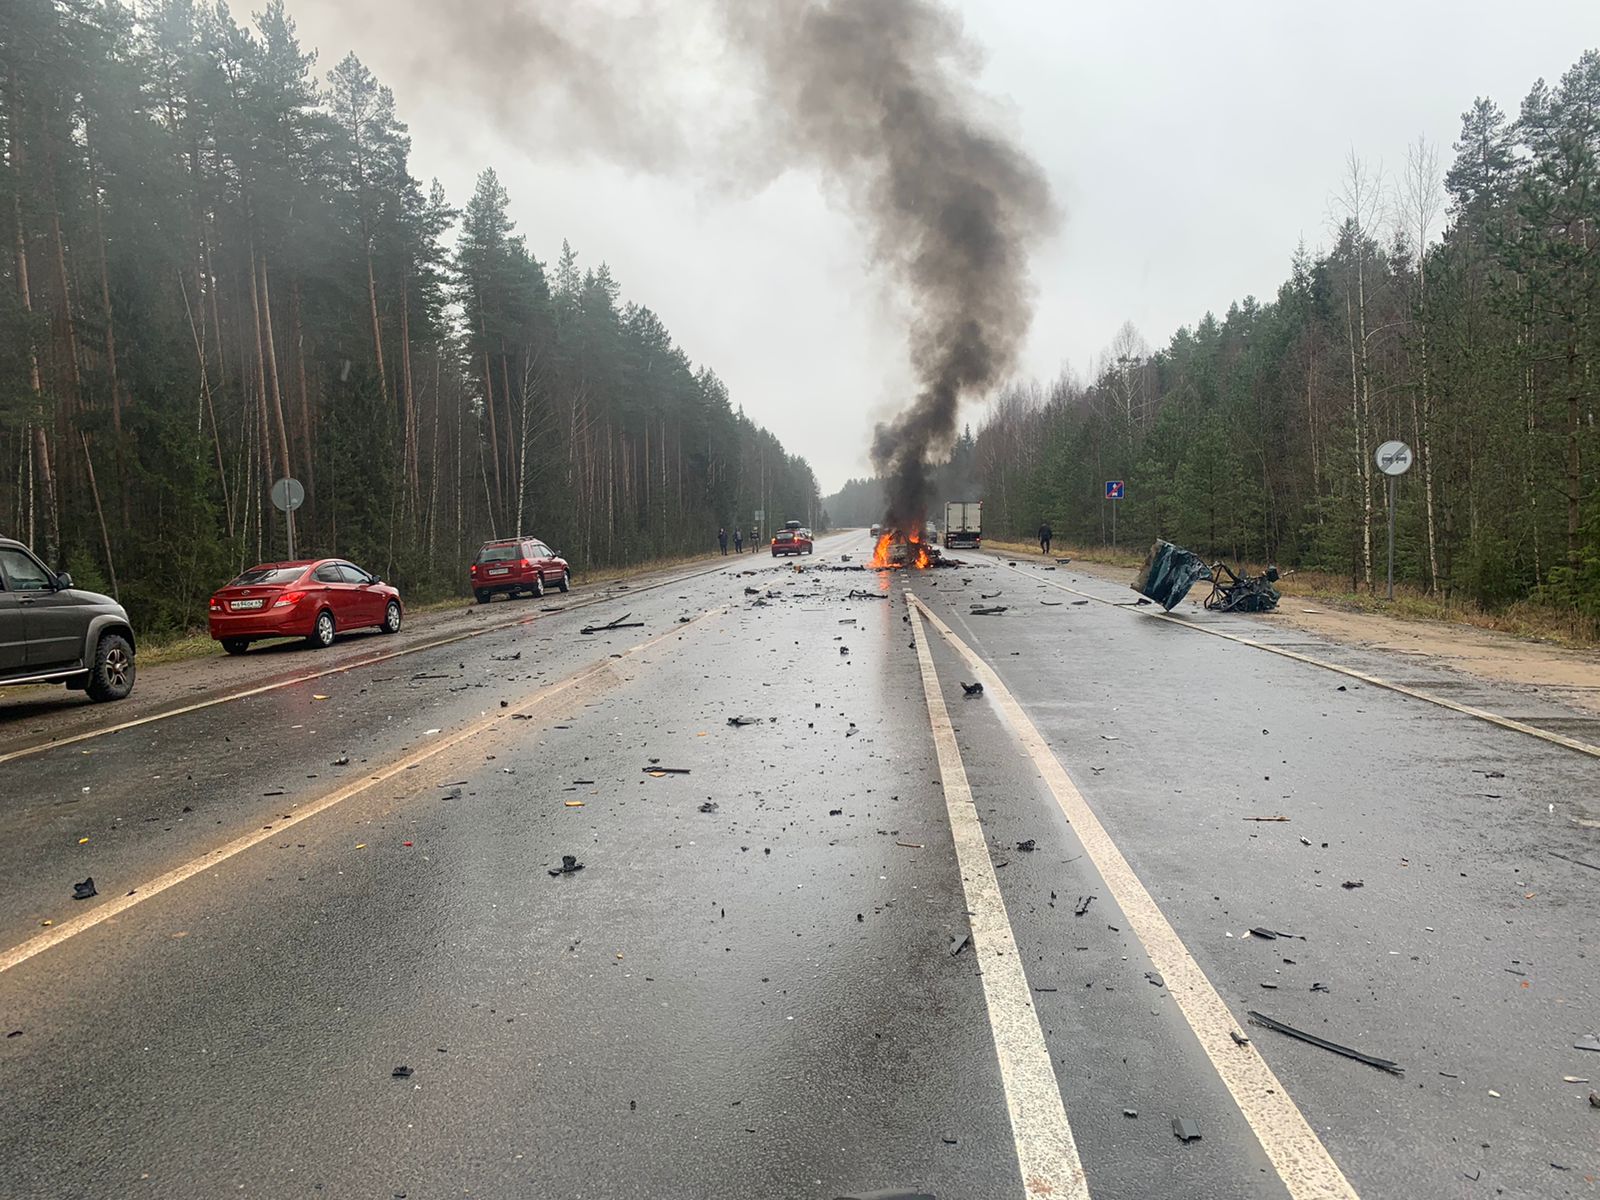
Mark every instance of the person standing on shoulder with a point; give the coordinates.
(722, 540)
(1044, 537)
(738, 541)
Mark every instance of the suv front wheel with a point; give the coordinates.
(111, 674)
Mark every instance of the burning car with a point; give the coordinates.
(897, 548)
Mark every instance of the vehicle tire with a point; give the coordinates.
(566, 582)
(111, 675)
(236, 645)
(538, 587)
(483, 597)
(321, 636)
(392, 617)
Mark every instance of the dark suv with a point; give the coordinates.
(50, 632)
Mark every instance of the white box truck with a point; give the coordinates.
(963, 523)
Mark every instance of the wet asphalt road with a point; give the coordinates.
(760, 1000)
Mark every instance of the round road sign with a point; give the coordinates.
(1393, 458)
(288, 495)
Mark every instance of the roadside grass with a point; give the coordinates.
(1526, 619)
(190, 644)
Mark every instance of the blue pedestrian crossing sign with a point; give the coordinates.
(1113, 489)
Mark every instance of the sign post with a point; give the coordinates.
(1114, 491)
(1394, 460)
(288, 495)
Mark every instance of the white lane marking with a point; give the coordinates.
(511, 623)
(1481, 714)
(1047, 1154)
(1298, 1155)
(57, 934)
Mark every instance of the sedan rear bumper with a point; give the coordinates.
(269, 622)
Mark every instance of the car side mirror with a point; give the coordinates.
(63, 581)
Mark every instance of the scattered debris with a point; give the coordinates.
(506, 657)
(1027, 847)
(993, 610)
(82, 891)
(401, 1072)
(710, 806)
(989, 595)
(858, 594)
(1579, 861)
(1383, 1064)
(1264, 818)
(1130, 1112)
(972, 689)
(1350, 885)
(1083, 905)
(1155, 978)
(910, 845)
(1305, 841)
(1185, 1130)
(1587, 1042)
(737, 722)
(658, 772)
(569, 865)
(342, 761)
(844, 649)
(621, 622)
(1239, 1039)
(959, 944)
(1051, 603)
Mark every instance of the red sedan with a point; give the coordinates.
(312, 600)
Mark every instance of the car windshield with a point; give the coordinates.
(259, 576)
(499, 553)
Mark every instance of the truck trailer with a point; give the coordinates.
(963, 523)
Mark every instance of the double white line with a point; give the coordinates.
(1046, 1151)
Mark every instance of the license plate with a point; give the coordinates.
(242, 604)
(499, 570)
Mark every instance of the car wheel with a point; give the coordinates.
(566, 582)
(391, 617)
(538, 587)
(483, 597)
(322, 632)
(236, 645)
(111, 676)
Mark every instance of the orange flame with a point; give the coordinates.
(895, 549)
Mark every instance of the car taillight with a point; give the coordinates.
(474, 568)
(522, 564)
(216, 605)
(288, 599)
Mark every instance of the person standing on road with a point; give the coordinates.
(738, 541)
(1044, 537)
(722, 540)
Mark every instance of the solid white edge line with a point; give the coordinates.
(1295, 1150)
(1482, 714)
(56, 934)
(1047, 1154)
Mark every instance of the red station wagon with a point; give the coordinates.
(313, 600)
(517, 565)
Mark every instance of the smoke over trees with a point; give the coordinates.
(879, 96)
(222, 272)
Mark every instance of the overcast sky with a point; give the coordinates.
(1191, 147)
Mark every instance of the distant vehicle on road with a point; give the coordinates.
(312, 599)
(517, 566)
(876, 531)
(52, 632)
(791, 539)
(963, 523)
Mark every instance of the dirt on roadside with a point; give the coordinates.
(1570, 675)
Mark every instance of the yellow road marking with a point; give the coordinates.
(38, 944)
(1556, 739)
(1298, 1155)
(1047, 1153)
(511, 623)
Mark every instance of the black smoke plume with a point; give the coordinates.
(880, 95)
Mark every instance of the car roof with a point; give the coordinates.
(284, 566)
